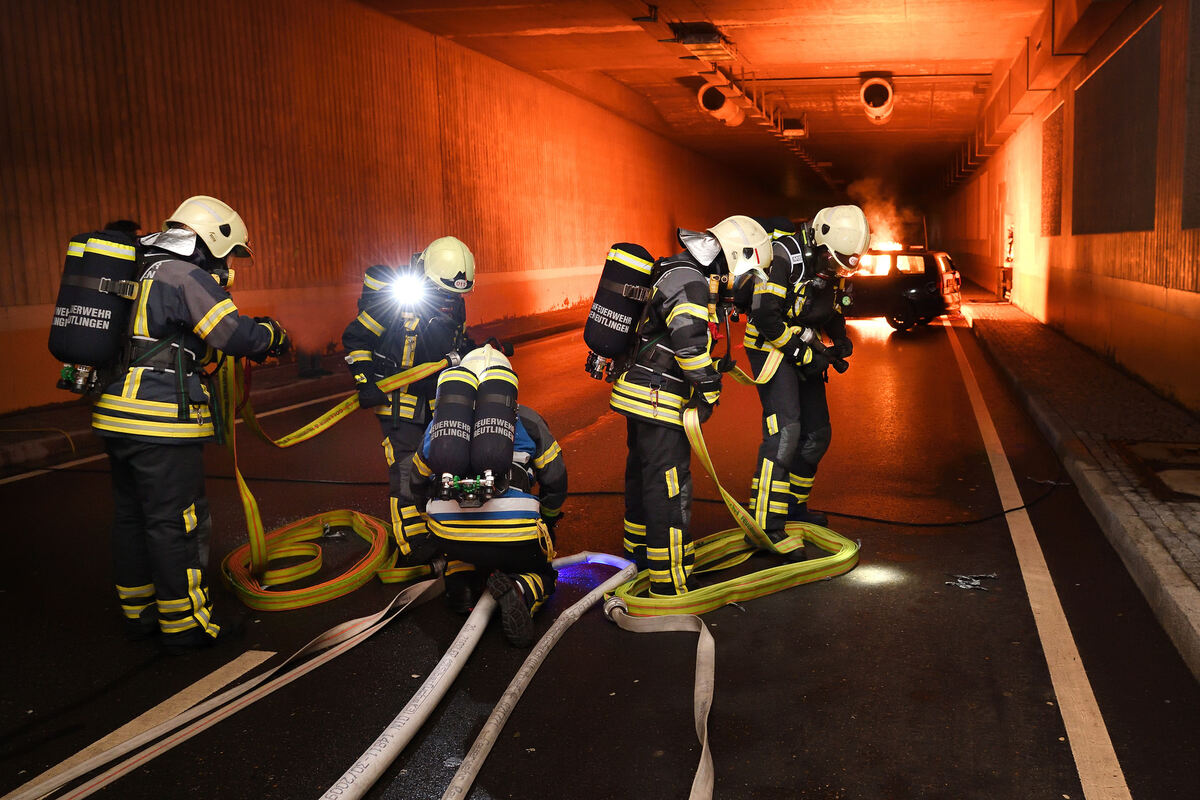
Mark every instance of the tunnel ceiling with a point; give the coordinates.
(798, 60)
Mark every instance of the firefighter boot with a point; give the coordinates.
(802, 514)
(515, 617)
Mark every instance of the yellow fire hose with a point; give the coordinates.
(733, 546)
(246, 569)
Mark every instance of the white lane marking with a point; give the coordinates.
(89, 459)
(1099, 770)
(167, 709)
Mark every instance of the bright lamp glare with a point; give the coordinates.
(409, 290)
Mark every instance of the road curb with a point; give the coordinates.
(1172, 596)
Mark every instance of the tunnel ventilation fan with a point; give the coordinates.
(878, 98)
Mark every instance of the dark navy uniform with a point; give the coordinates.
(388, 337)
(796, 429)
(154, 421)
(672, 369)
(513, 533)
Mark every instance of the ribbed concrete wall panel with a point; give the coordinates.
(1132, 295)
(342, 136)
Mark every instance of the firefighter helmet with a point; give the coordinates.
(217, 225)
(745, 244)
(844, 232)
(449, 264)
(482, 358)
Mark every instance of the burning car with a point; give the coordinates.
(907, 287)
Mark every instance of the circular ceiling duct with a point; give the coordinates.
(878, 99)
(713, 101)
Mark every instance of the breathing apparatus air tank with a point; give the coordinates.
(453, 419)
(91, 313)
(495, 424)
(620, 297)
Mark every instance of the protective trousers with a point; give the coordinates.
(525, 562)
(796, 434)
(160, 536)
(402, 438)
(658, 505)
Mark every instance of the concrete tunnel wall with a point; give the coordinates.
(342, 136)
(1095, 185)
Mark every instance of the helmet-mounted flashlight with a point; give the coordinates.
(409, 289)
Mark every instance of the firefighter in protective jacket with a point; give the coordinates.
(407, 318)
(511, 535)
(671, 370)
(793, 307)
(157, 416)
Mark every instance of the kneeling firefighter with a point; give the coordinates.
(792, 306)
(475, 476)
(157, 415)
(670, 369)
(406, 318)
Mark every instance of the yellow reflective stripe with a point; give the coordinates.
(770, 288)
(694, 362)
(672, 482)
(630, 260)
(776, 507)
(410, 349)
(782, 339)
(711, 397)
(422, 468)
(678, 574)
(641, 409)
(199, 597)
(355, 356)
(455, 567)
(499, 374)
(124, 252)
(75, 249)
(763, 497)
(373, 283)
(548, 455)
(215, 314)
(134, 612)
(176, 625)
(634, 527)
(641, 392)
(799, 481)
(130, 592)
(772, 425)
(174, 606)
(189, 518)
(691, 309)
(388, 454)
(141, 318)
(133, 381)
(166, 430)
(148, 408)
(370, 324)
(398, 526)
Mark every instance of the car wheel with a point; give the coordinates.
(902, 315)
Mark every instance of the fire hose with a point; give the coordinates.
(246, 569)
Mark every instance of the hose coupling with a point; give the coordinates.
(612, 604)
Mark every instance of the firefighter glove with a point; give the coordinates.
(842, 348)
(369, 395)
(279, 343)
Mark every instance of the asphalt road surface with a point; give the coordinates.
(885, 682)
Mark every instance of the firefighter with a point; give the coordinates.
(798, 300)
(406, 318)
(507, 539)
(156, 417)
(673, 370)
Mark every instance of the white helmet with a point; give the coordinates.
(217, 225)
(449, 264)
(844, 232)
(484, 358)
(745, 244)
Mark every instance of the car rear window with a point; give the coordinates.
(912, 265)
